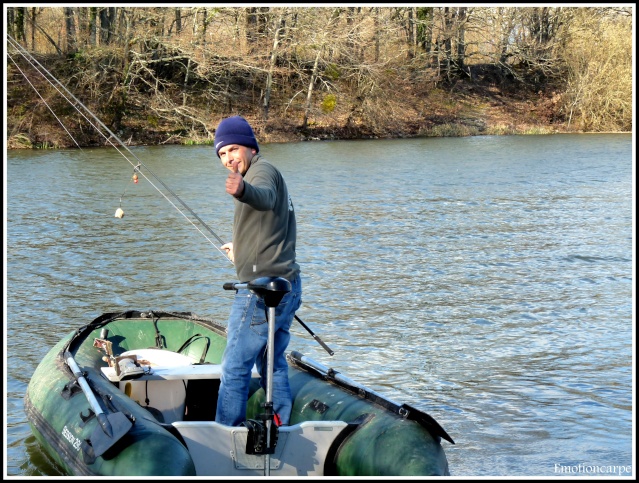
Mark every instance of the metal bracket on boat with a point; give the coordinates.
(70, 389)
(259, 439)
(88, 417)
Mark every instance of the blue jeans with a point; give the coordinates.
(247, 337)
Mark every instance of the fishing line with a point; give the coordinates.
(45, 102)
(119, 213)
(77, 104)
(136, 166)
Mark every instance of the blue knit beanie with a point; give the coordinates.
(235, 130)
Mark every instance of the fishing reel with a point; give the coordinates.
(126, 367)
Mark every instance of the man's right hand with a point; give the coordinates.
(235, 181)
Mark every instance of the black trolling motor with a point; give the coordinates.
(262, 435)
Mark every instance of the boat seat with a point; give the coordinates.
(163, 365)
(220, 450)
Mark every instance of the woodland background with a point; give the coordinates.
(157, 75)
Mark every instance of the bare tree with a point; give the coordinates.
(177, 21)
(69, 22)
(311, 85)
(424, 29)
(93, 26)
(34, 15)
(279, 27)
(257, 20)
(107, 20)
(19, 24)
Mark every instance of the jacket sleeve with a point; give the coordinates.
(260, 187)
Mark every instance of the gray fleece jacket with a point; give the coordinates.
(264, 226)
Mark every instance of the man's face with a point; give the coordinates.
(236, 152)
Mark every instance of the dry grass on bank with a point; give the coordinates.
(468, 109)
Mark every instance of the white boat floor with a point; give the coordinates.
(219, 450)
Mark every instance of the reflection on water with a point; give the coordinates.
(485, 280)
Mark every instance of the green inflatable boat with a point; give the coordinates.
(134, 394)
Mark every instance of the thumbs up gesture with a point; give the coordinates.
(235, 181)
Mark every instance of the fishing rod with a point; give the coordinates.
(92, 119)
(88, 115)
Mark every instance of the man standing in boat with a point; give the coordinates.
(264, 236)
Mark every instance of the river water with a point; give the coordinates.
(486, 280)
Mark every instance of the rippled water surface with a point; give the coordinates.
(485, 280)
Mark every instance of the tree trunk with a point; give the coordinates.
(20, 27)
(93, 25)
(178, 20)
(107, 21)
(411, 34)
(311, 84)
(127, 45)
(460, 55)
(256, 25)
(69, 23)
(447, 41)
(269, 77)
(205, 24)
(376, 33)
(34, 13)
(505, 30)
(11, 18)
(425, 29)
